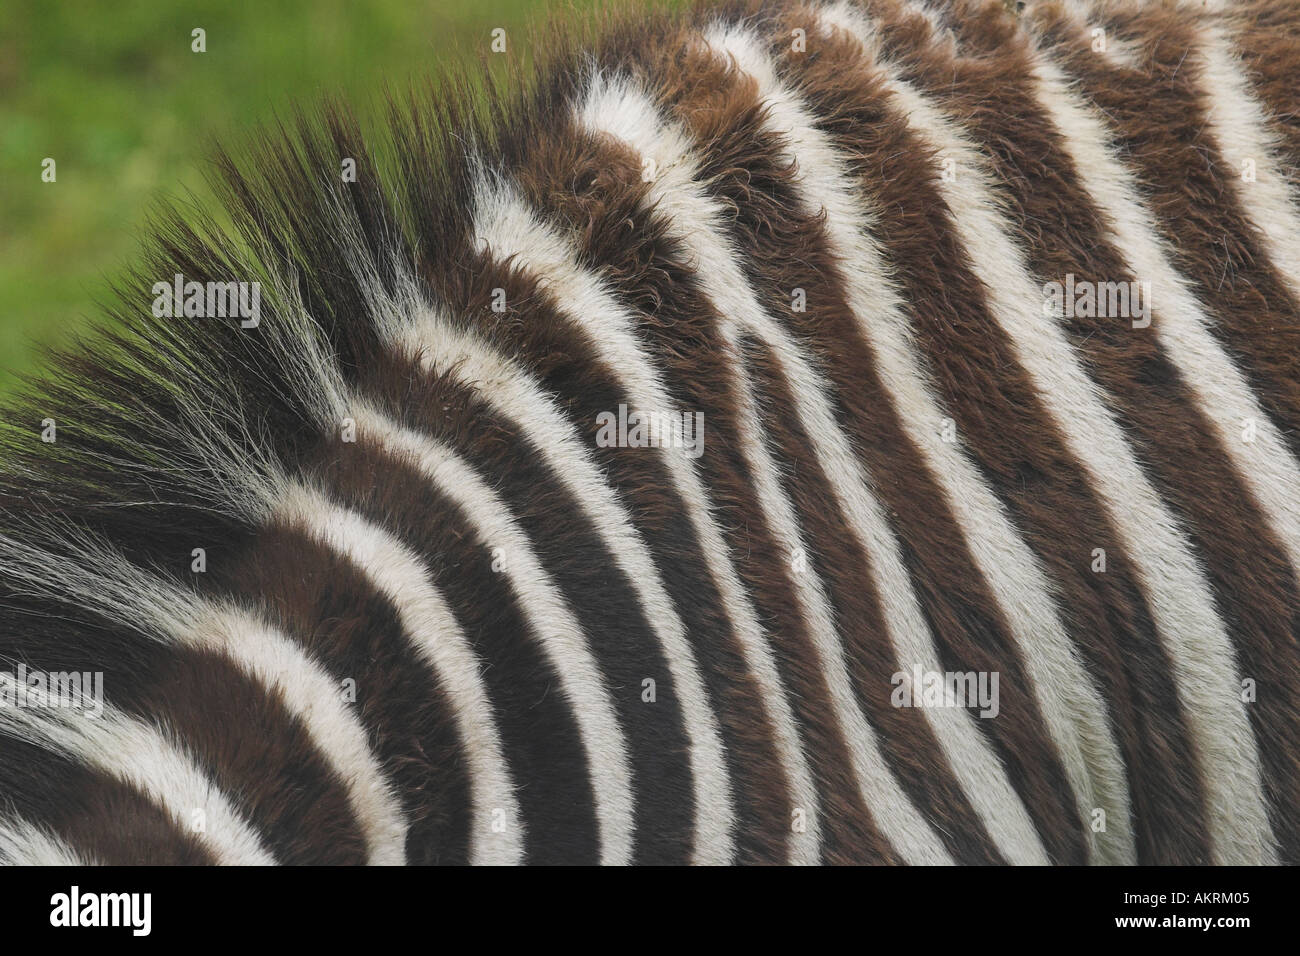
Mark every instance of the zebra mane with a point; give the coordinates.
(172, 429)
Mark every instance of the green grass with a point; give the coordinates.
(113, 93)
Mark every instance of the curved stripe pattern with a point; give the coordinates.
(552, 620)
(429, 625)
(582, 645)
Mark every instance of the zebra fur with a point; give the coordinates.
(367, 585)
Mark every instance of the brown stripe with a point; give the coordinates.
(563, 361)
(1245, 565)
(1253, 581)
(850, 832)
(969, 626)
(905, 736)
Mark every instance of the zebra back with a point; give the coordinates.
(854, 432)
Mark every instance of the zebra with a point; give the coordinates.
(841, 431)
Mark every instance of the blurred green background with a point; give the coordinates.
(111, 90)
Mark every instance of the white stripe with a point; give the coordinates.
(561, 636)
(1180, 596)
(429, 625)
(1238, 125)
(507, 228)
(25, 844)
(1085, 16)
(628, 115)
(144, 757)
(1070, 703)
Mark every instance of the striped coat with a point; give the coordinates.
(852, 431)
